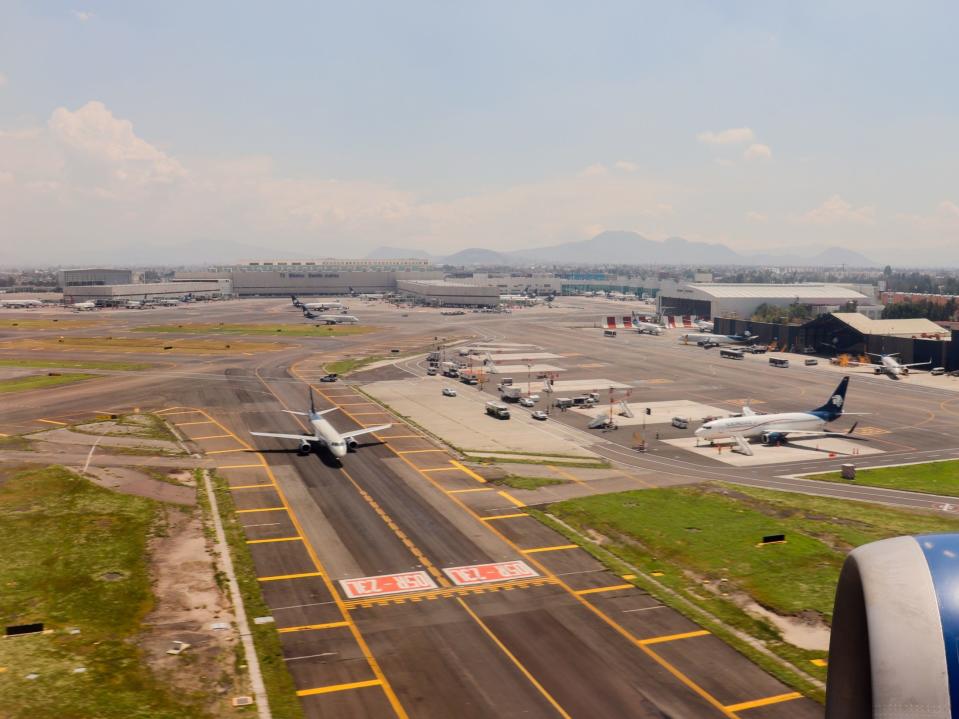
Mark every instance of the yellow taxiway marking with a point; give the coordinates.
(765, 702)
(252, 486)
(400, 436)
(467, 470)
(187, 424)
(504, 516)
(279, 577)
(552, 577)
(420, 451)
(264, 509)
(240, 466)
(555, 548)
(275, 539)
(338, 687)
(226, 451)
(673, 637)
(519, 665)
(818, 662)
(53, 421)
(167, 413)
(311, 627)
(210, 436)
(442, 469)
(567, 475)
(364, 414)
(510, 498)
(613, 588)
(474, 489)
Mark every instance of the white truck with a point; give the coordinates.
(495, 409)
(511, 393)
(449, 369)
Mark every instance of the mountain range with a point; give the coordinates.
(619, 247)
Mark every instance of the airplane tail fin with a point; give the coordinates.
(832, 409)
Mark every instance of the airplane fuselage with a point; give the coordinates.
(759, 424)
(325, 435)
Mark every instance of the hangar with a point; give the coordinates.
(117, 294)
(447, 293)
(740, 301)
(914, 340)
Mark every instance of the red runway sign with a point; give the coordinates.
(481, 573)
(387, 584)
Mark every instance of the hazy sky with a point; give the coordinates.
(332, 128)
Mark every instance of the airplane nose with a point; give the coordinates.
(700, 432)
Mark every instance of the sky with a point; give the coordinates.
(329, 129)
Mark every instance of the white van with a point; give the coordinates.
(680, 422)
(609, 333)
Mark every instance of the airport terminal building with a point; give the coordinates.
(147, 291)
(331, 277)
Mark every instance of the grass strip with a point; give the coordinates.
(74, 364)
(304, 330)
(41, 381)
(929, 477)
(279, 684)
(520, 482)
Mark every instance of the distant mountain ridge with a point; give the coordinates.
(630, 248)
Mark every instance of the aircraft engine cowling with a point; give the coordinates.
(351, 445)
(895, 628)
(305, 448)
(905, 370)
(773, 437)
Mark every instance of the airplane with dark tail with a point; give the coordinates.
(324, 436)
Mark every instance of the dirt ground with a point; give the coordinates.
(188, 603)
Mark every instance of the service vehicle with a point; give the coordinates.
(498, 410)
(527, 402)
(680, 422)
(539, 414)
(937, 371)
(432, 372)
(449, 392)
(778, 362)
(511, 394)
(728, 353)
(609, 333)
(332, 377)
(810, 362)
(563, 402)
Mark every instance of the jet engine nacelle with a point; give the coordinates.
(895, 630)
(305, 447)
(773, 437)
(877, 370)
(905, 370)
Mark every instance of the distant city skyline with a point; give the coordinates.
(330, 130)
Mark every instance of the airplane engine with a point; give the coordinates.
(304, 448)
(773, 438)
(895, 631)
(351, 445)
(878, 370)
(905, 370)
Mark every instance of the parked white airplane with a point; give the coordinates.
(84, 306)
(324, 434)
(339, 319)
(888, 364)
(779, 427)
(648, 328)
(12, 304)
(320, 306)
(710, 340)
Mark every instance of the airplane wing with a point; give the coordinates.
(365, 430)
(748, 411)
(812, 434)
(300, 437)
(916, 364)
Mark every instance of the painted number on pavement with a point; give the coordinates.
(387, 584)
(480, 573)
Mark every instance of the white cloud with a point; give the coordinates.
(595, 170)
(836, 211)
(83, 15)
(758, 151)
(945, 217)
(757, 217)
(86, 176)
(626, 166)
(732, 136)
